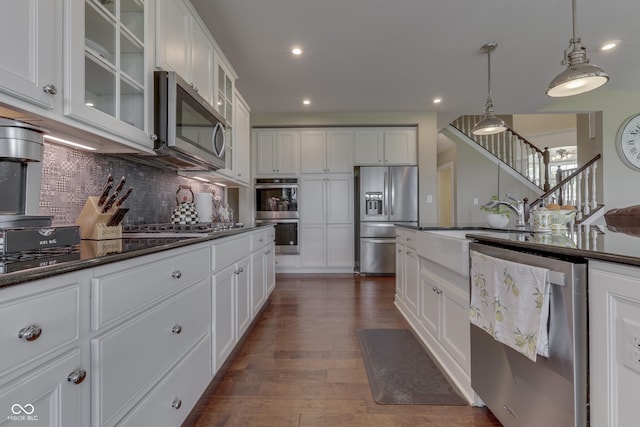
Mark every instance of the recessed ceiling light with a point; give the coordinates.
(296, 51)
(306, 101)
(609, 45)
(437, 100)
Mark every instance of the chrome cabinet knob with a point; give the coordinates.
(30, 333)
(50, 89)
(176, 329)
(176, 404)
(153, 137)
(77, 376)
(176, 274)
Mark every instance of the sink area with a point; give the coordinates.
(450, 247)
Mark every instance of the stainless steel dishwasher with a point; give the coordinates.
(552, 391)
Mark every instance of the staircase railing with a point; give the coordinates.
(513, 149)
(578, 188)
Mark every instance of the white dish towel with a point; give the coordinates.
(510, 301)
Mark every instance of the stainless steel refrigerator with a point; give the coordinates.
(386, 195)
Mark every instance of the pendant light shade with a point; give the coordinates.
(489, 124)
(580, 76)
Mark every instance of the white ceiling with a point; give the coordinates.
(397, 55)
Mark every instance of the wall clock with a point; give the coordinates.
(628, 142)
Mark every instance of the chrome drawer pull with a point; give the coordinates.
(77, 376)
(50, 89)
(176, 404)
(30, 333)
(176, 274)
(176, 329)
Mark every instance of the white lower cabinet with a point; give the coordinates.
(435, 301)
(171, 400)
(231, 308)
(262, 268)
(407, 268)
(136, 354)
(224, 335)
(614, 344)
(444, 311)
(134, 342)
(43, 362)
(45, 396)
(270, 267)
(326, 229)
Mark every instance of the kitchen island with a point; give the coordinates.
(130, 332)
(440, 316)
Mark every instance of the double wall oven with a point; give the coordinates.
(277, 204)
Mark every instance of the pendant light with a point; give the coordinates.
(489, 124)
(580, 76)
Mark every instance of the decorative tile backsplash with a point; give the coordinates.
(70, 176)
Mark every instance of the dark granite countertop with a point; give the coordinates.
(92, 253)
(601, 242)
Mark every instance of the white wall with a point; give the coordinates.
(619, 181)
(427, 136)
(477, 178)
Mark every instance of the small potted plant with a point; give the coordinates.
(498, 216)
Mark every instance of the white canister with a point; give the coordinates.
(542, 220)
(204, 206)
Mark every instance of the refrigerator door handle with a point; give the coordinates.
(392, 197)
(385, 197)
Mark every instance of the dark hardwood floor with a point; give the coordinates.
(301, 364)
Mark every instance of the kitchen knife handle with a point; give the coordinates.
(105, 194)
(120, 185)
(123, 198)
(105, 190)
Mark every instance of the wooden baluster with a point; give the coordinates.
(578, 196)
(586, 208)
(594, 201)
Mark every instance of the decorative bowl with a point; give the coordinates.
(562, 216)
(497, 220)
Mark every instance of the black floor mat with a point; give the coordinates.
(401, 371)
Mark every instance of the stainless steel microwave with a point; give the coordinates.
(190, 133)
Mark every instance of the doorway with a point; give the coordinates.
(445, 195)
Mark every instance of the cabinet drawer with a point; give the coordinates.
(55, 313)
(170, 403)
(409, 239)
(258, 240)
(132, 357)
(116, 294)
(227, 252)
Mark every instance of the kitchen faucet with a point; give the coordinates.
(518, 208)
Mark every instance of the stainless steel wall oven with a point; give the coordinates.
(277, 203)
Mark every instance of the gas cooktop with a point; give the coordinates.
(176, 230)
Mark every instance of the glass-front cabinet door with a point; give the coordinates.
(108, 71)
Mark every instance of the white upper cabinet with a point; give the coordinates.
(107, 67)
(389, 146)
(313, 146)
(277, 151)
(184, 45)
(326, 151)
(340, 150)
(202, 53)
(238, 151)
(224, 90)
(31, 51)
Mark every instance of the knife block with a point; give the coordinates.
(93, 223)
